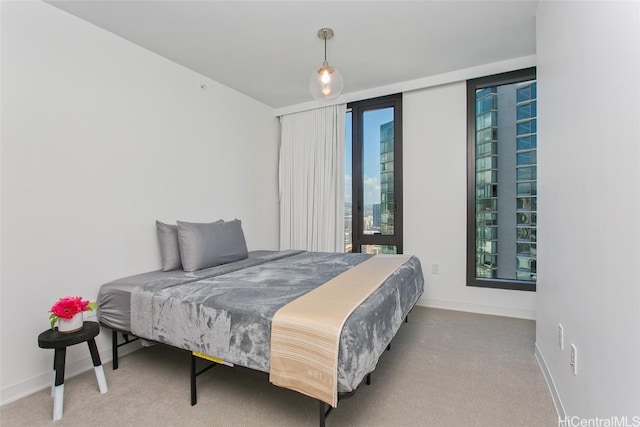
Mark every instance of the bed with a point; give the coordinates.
(225, 312)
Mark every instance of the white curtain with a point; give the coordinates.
(311, 180)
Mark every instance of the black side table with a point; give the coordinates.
(59, 342)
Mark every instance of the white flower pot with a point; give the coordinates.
(66, 326)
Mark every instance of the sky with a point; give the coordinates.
(371, 124)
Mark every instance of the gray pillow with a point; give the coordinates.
(169, 249)
(208, 245)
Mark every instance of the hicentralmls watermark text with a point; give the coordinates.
(599, 422)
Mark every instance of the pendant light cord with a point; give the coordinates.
(325, 48)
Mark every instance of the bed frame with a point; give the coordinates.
(323, 408)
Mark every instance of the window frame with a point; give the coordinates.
(357, 109)
(473, 85)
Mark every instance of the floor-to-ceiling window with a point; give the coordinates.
(373, 181)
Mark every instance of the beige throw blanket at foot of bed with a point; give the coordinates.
(305, 334)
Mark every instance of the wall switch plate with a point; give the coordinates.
(574, 359)
(560, 336)
(435, 268)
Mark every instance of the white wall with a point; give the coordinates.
(589, 204)
(435, 202)
(99, 139)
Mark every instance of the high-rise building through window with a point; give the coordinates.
(387, 199)
(505, 182)
(526, 181)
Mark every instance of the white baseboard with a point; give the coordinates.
(555, 396)
(479, 308)
(40, 382)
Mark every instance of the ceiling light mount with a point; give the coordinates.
(325, 33)
(326, 82)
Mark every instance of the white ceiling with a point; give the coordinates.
(268, 49)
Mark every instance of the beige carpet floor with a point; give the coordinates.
(445, 368)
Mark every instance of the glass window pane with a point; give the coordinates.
(526, 188)
(526, 158)
(486, 135)
(526, 264)
(524, 174)
(524, 94)
(526, 218)
(527, 203)
(526, 127)
(526, 111)
(526, 142)
(378, 168)
(485, 191)
(484, 205)
(487, 233)
(529, 249)
(526, 234)
(500, 109)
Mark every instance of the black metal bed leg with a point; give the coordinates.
(369, 378)
(115, 346)
(389, 347)
(114, 350)
(194, 392)
(406, 319)
(194, 375)
(322, 413)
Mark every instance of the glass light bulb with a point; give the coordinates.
(326, 76)
(325, 83)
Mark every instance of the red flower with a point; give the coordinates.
(83, 304)
(67, 307)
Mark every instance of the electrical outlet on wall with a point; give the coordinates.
(574, 359)
(435, 268)
(560, 336)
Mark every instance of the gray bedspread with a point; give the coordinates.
(114, 298)
(228, 314)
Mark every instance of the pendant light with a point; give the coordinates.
(326, 82)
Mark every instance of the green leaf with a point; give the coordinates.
(53, 319)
